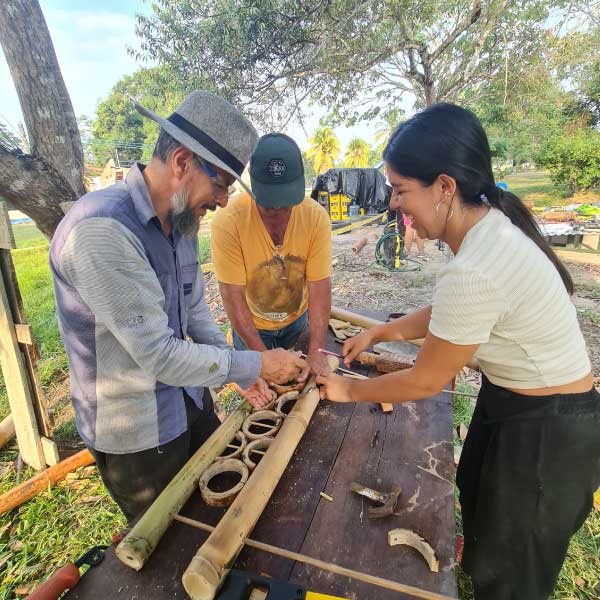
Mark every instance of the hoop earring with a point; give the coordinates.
(437, 211)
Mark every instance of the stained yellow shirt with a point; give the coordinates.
(275, 277)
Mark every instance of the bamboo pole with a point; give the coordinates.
(137, 546)
(40, 482)
(326, 566)
(204, 574)
(367, 322)
(7, 431)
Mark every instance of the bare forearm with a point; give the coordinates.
(319, 311)
(413, 326)
(396, 387)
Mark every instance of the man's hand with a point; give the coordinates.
(317, 363)
(258, 394)
(335, 388)
(281, 366)
(355, 345)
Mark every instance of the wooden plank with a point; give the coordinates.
(17, 387)
(51, 455)
(409, 448)
(24, 334)
(30, 350)
(7, 239)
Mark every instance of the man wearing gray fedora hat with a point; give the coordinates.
(141, 342)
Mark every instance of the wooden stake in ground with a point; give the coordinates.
(27, 490)
(203, 576)
(140, 542)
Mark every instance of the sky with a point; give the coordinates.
(91, 38)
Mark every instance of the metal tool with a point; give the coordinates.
(67, 577)
(388, 501)
(239, 586)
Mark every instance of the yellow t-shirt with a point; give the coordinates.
(243, 253)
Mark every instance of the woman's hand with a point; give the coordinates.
(335, 388)
(357, 344)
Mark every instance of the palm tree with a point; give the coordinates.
(324, 149)
(391, 119)
(357, 154)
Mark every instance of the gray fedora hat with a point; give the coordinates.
(213, 129)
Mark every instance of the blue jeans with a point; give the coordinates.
(276, 338)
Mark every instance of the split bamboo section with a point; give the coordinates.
(203, 576)
(141, 541)
(367, 322)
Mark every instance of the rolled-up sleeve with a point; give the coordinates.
(107, 265)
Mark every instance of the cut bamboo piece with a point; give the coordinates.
(414, 540)
(28, 489)
(203, 576)
(140, 542)
(368, 323)
(360, 245)
(7, 430)
(326, 566)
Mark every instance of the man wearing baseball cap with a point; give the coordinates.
(272, 255)
(141, 343)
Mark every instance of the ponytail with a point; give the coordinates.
(523, 218)
(445, 138)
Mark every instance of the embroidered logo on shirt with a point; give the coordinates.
(134, 321)
(276, 167)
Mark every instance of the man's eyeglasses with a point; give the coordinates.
(221, 188)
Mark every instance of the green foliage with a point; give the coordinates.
(357, 154)
(309, 169)
(574, 159)
(270, 55)
(118, 126)
(324, 149)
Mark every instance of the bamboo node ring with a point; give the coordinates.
(285, 399)
(256, 445)
(229, 465)
(238, 450)
(255, 419)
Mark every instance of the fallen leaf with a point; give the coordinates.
(462, 432)
(580, 582)
(16, 546)
(597, 499)
(457, 453)
(5, 469)
(24, 590)
(5, 559)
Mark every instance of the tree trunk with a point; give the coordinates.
(53, 172)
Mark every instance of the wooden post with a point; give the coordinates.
(12, 363)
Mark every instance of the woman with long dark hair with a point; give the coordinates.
(531, 460)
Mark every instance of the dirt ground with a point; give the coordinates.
(357, 281)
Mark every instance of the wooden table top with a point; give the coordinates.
(411, 447)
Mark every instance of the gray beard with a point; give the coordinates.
(182, 216)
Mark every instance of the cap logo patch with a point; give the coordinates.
(276, 167)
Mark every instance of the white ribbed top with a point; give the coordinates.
(502, 292)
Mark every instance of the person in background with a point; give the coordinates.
(411, 235)
(531, 459)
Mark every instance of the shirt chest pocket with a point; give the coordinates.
(189, 275)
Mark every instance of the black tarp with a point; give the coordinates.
(365, 187)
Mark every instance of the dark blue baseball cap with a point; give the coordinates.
(277, 172)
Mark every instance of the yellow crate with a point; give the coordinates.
(338, 207)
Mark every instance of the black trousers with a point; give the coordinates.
(135, 480)
(527, 475)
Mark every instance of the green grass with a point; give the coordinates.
(28, 235)
(538, 187)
